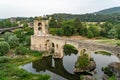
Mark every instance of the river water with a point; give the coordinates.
(63, 69)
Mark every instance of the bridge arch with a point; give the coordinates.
(69, 49)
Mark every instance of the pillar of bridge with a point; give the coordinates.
(58, 53)
(48, 46)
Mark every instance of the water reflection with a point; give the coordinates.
(55, 66)
(102, 61)
(63, 69)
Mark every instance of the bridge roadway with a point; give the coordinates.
(59, 42)
(2, 30)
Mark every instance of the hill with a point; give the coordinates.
(109, 11)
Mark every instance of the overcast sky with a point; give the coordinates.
(13, 8)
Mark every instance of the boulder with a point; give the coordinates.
(88, 68)
(88, 77)
(115, 68)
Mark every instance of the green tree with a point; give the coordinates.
(20, 34)
(112, 33)
(13, 41)
(53, 23)
(118, 33)
(90, 33)
(77, 26)
(4, 48)
(67, 27)
(95, 30)
(7, 35)
(59, 32)
(67, 30)
(25, 25)
(21, 50)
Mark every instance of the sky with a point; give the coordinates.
(31, 8)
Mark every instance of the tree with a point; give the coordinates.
(7, 35)
(89, 33)
(52, 23)
(25, 25)
(112, 33)
(77, 26)
(67, 30)
(4, 48)
(13, 41)
(95, 30)
(118, 33)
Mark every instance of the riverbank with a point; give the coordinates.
(10, 68)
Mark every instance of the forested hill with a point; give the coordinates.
(109, 11)
(89, 17)
(114, 15)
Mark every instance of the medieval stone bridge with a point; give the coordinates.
(46, 43)
(41, 41)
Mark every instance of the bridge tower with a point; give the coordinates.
(41, 27)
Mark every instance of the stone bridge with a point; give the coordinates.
(2, 30)
(46, 43)
(41, 41)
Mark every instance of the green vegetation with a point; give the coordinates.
(69, 49)
(109, 73)
(103, 53)
(6, 23)
(11, 39)
(110, 11)
(14, 52)
(89, 17)
(83, 60)
(110, 41)
(10, 70)
(108, 29)
(4, 48)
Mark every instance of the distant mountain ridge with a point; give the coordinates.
(109, 11)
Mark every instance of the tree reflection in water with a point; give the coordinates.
(55, 66)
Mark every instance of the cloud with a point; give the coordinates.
(11, 8)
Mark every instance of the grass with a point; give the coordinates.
(9, 69)
(103, 53)
(109, 41)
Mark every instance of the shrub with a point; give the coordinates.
(83, 61)
(21, 50)
(2, 39)
(4, 59)
(7, 35)
(4, 48)
(69, 49)
(13, 41)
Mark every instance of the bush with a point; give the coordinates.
(21, 50)
(2, 39)
(69, 49)
(13, 41)
(4, 59)
(107, 71)
(83, 61)
(90, 34)
(4, 48)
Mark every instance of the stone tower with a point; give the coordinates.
(41, 27)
